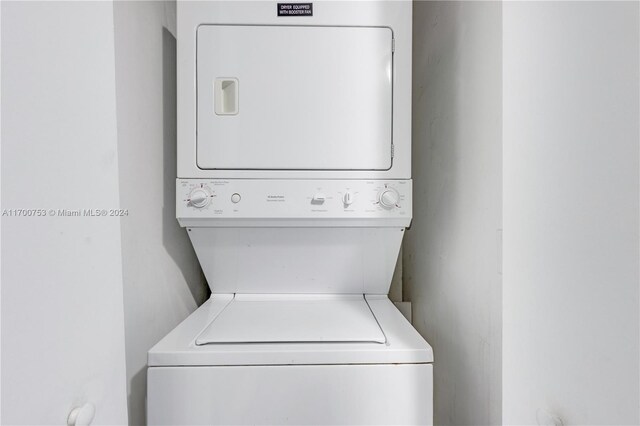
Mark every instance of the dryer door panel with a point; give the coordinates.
(294, 97)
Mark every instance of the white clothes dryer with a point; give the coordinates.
(294, 185)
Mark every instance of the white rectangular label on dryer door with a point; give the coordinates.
(296, 97)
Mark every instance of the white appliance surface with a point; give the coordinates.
(403, 343)
(297, 97)
(292, 395)
(294, 166)
(298, 260)
(289, 203)
(312, 318)
(326, 96)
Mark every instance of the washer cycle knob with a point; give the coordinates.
(347, 198)
(389, 198)
(199, 198)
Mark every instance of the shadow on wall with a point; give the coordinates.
(174, 238)
(451, 262)
(138, 387)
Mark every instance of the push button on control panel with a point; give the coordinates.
(235, 198)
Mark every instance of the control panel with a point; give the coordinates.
(247, 202)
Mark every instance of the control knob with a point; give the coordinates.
(199, 198)
(388, 198)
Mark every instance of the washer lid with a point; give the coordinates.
(268, 318)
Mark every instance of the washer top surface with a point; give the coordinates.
(269, 318)
(292, 330)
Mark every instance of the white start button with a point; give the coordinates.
(235, 198)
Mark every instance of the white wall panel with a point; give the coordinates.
(62, 313)
(451, 257)
(571, 214)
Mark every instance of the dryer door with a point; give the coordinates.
(294, 97)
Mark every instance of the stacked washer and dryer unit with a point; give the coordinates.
(294, 185)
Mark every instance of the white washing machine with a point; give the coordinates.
(294, 185)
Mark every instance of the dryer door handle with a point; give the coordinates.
(225, 96)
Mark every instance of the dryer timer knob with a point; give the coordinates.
(389, 198)
(199, 198)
